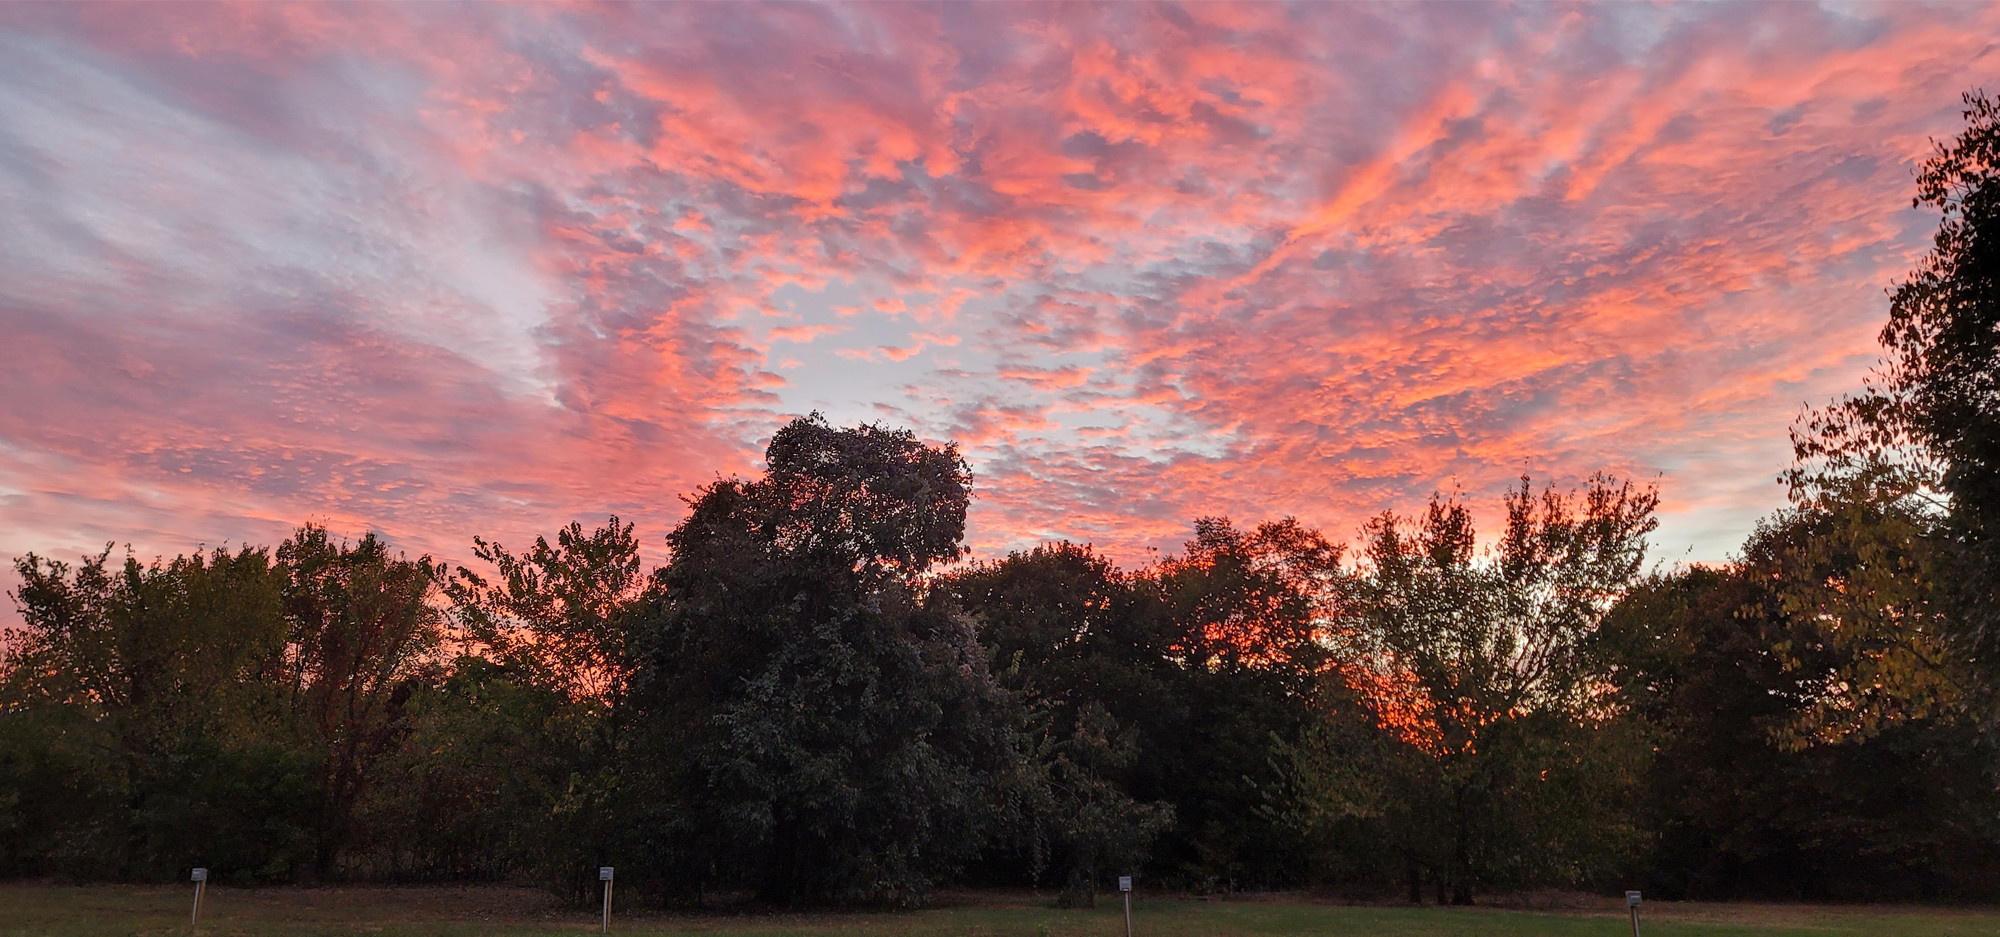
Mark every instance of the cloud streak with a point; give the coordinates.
(441, 271)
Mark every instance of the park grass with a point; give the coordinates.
(104, 911)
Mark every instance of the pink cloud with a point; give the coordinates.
(446, 271)
(804, 334)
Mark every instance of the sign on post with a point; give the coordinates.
(200, 879)
(604, 875)
(1125, 888)
(1632, 902)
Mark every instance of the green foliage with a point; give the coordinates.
(220, 709)
(143, 725)
(546, 696)
(1826, 706)
(830, 736)
(465, 794)
(1331, 790)
(363, 631)
(1065, 634)
(1083, 819)
(1859, 575)
(172, 641)
(1721, 677)
(1241, 617)
(1165, 697)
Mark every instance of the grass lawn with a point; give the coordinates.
(90, 911)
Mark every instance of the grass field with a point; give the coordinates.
(63, 911)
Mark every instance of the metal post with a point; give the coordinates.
(200, 878)
(604, 875)
(1125, 888)
(1632, 902)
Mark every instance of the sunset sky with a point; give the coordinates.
(440, 271)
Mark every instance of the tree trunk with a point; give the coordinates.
(1461, 858)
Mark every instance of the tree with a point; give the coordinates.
(549, 635)
(1059, 625)
(1884, 567)
(1861, 567)
(830, 736)
(474, 791)
(363, 633)
(1244, 619)
(240, 705)
(1165, 697)
(1928, 420)
(556, 615)
(1740, 804)
(1482, 663)
(143, 724)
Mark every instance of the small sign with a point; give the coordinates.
(604, 873)
(1631, 899)
(1124, 883)
(200, 875)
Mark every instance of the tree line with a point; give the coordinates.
(817, 700)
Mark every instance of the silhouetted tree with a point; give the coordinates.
(1483, 664)
(833, 737)
(363, 635)
(1926, 426)
(143, 722)
(1065, 635)
(557, 615)
(1243, 617)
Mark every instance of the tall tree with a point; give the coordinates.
(1067, 636)
(363, 635)
(143, 725)
(1243, 617)
(836, 738)
(1488, 661)
(552, 629)
(1928, 420)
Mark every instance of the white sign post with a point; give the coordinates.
(1125, 888)
(604, 875)
(200, 879)
(1632, 902)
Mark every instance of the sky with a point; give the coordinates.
(441, 271)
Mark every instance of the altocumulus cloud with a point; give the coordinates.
(445, 270)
